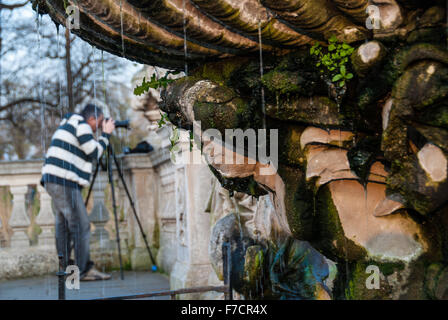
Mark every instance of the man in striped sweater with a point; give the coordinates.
(66, 170)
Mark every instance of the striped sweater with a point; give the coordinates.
(73, 148)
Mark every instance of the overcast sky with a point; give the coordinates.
(27, 15)
(27, 65)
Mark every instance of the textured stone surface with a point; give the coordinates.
(388, 237)
(433, 161)
(46, 287)
(219, 30)
(27, 262)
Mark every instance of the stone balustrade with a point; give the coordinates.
(171, 202)
(18, 176)
(19, 222)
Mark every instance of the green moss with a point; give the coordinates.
(121, 215)
(253, 265)
(438, 136)
(219, 72)
(298, 202)
(350, 291)
(436, 280)
(388, 268)
(437, 117)
(293, 149)
(127, 265)
(408, 179)
(429, 35)
(156, 235)
(220, 108)
(281, 82)
(402, 57)
(35, 206)
(357, 289)
(318, 110)
(329, 236)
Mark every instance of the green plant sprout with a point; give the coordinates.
(333, 60)
(162, 122)
(174, 138)
(163, 119)
(154, 83)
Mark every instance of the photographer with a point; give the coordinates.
(66, 170)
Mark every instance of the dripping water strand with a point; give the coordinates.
(1, 56)
(263, 107)
(94, 83)
(44, 103)
(59, 74)
(347, 271)
(42, 108)
(366, 205)
(185, 37)
(104, 81)
(121, 28)
(199, 19)
(354, 139)
(237, 212)
(96, 133)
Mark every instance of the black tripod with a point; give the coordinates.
(110, 156)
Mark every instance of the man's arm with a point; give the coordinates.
(92, 148)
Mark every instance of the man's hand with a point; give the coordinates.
(108, 126)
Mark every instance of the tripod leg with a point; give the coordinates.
(120, 173)
(114, 205)
(91, 185)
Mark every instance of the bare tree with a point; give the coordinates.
(45, 75)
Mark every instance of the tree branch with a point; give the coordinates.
(24, 100)
(12, 6)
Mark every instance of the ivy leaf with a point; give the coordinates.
(175, 136)
(343, 70)
(341, 84)
(139, 90)
(154, 83)
(162, 121)
(349, 76)
(333, 39)
(331, 47)
(336, 78)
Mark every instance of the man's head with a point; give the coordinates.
(93, 116)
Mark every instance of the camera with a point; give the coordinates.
(126, 124)
(122, 124)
